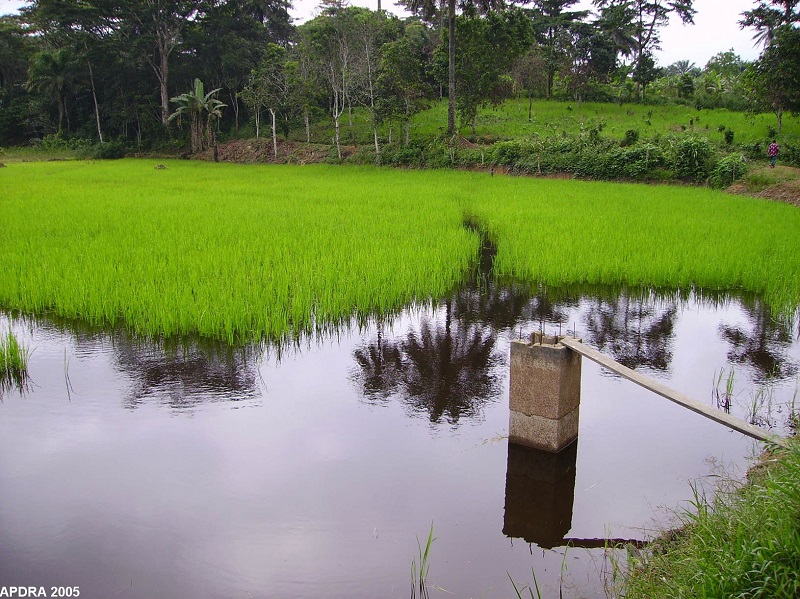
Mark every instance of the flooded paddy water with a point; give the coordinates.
(141, 469)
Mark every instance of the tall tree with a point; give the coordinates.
(489, 45)
(273, 15)
(372, 31)
(53, 73)
(81, 28)
(269, 88)
(767, 17)
(530, 74)
(552, 23)
(401, 80)
(227, 43)
(329, 40)
(646, 18)
(428, 9)
(590, 56)
(774, 79)
(158, 27)
(15, 49)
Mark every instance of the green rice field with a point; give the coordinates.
(268, 252)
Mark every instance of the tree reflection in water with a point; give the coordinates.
(448, 368)
(445, 370)
(764, 346)
(636, 330)
(184, 375)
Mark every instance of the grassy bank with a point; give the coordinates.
(250, 252)
(559, 119)
(746, 543)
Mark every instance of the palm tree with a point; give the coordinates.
(53, 74)
(201, 108)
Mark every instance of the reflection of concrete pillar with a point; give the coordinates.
(540, 492)
(545, 393)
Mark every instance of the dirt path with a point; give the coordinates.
(781, 184)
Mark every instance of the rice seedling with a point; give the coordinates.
(658, 236)
(419, 570)
(761, 406)
(235, 253)
(519, 591)
(252, 253)
(723, 397)
(13, 363)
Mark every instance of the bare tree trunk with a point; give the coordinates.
(96, 107)
(258, 123)
(377, 144)
(451, 76)
(407, 124)
(163, 78)
(274, 134)
(307, 122)
(60, 114)
(235, 105)
(338, 143)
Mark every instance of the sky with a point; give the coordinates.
(715, 30)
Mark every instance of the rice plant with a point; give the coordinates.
(419, 570)
(13, 363)
(251, 253)
(723, 390)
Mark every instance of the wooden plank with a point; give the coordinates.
(736, 424)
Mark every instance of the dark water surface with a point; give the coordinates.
(130, 469)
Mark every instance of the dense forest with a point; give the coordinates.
(145, 74)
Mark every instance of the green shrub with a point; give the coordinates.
(56, 143)
(108, 150)
(692, 159)
(636, 162)
(729, 136)
(509, 153)
(728, 170)
(790, 152)
(631, 137)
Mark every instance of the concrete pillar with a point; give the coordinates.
(545, 393)
(540, 493)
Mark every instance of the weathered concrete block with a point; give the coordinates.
(549, 434)
(545, 380)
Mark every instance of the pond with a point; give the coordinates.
(187, 469)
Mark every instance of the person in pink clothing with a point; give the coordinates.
(773, 151)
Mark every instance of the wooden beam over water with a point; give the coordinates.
(732, 422)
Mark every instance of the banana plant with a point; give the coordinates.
(201, 108)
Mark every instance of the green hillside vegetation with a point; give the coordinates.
(560, 118)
